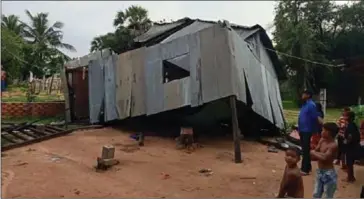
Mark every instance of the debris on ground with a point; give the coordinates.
(77, 192)
(165, 176)
(130, 148)
(272, 149)
(206, 172)
(138, 137)
(59, 123)
(140, 170)
(30, 149)
(248, 178)
(21, 163)
(55, 158)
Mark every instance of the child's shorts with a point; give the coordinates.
(326, 182)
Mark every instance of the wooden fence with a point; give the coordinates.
(46, 85)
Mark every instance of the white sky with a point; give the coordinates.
(86, 19)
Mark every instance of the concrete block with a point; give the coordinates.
(108, 152)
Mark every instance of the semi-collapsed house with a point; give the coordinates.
(184, 64)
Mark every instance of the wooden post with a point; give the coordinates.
(236, 131)
(64, 81)
(141, 139)
(323, 99)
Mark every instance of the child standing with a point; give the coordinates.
(325, 153)
(291, 184)
(352, 145)
(342, 123)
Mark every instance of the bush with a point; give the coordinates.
(359, 113)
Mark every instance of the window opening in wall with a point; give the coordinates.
(172, 72)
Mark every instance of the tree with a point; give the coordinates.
(295, 35)
(12, 57)
(46, 40)
(130, 23)
(12, 23)
(318, 31)
(135, 18)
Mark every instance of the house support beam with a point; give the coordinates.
(236, 131)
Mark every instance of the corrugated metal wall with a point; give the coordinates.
(219, 61)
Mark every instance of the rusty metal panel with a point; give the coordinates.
(138, 96)
(124, 85)
(80, 87)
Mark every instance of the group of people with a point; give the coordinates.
(337, 143)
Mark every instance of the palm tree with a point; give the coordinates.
(96, 44)
(136, 18)
(12, 23)
(45, 41)
(39, 32)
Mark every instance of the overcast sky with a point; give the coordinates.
(86, 19)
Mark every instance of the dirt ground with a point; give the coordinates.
(64, 167)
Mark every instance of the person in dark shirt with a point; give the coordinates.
(307, 125)
(352, 144)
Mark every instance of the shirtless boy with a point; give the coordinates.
(291, 184)
(325, 153)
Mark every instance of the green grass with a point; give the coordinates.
(39, 98)
(44, 120)
(18, 94)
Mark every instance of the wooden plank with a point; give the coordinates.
(236, 131)
(35, 140)
(46, 137)
(7, 139)
(55, 128)
(37, 131)
(47, 129)
(29, 134)
(18, 136)
(123, 85)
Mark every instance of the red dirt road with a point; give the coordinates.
(64, 167)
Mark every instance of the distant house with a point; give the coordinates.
(190, 64)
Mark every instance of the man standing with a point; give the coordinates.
(307, 125)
